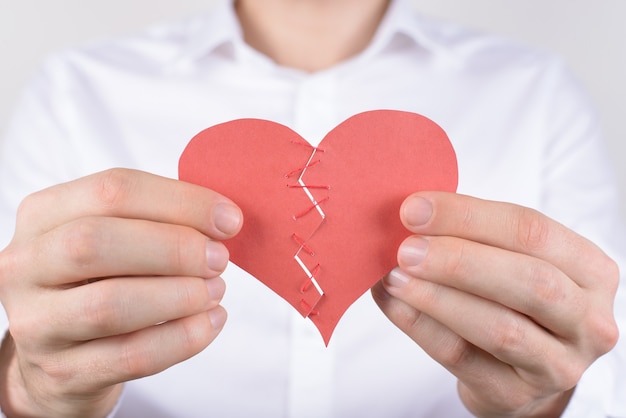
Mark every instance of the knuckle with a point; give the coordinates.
(139, 358)
(30, 205)
(103, 313)
(135, 360)
(603, 331)
(187, 297)
(30, 209)
(545, 285)
(611, 273)
(507, 335)
(455, 262)
(609, 336)
(113, 187)
(197, 297)
(571, 376)
(8, 271)
(458, 355)
(61, 374)
(190, 251)
(81, 241)
(430, 294)
(194, 333)
(566, 374)
(467, 217)
(29, 327)
(184, 243)
(532, 230)
(22, 328)
(407, 319)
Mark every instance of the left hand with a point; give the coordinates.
(514, 304)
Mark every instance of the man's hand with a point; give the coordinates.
(514, 304)
(108, 278)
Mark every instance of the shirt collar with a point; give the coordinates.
(220, 29)
(401, 20)
(214, 30)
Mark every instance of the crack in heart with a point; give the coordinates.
(309, 306)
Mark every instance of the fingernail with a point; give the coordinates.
(412, 251)
(216, 256)
(396, 278)
(417, 211)
(217, 316)
(216, 287)
(227, 218)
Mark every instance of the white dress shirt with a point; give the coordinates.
(521, 127)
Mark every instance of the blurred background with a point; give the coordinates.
(589, 35)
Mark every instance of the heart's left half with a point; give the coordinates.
(321, 224)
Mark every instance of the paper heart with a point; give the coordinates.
(321, 225)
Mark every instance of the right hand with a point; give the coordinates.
(108, 278)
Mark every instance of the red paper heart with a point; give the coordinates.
(321, 247)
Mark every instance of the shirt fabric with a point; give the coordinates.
(522, 129)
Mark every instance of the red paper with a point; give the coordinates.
(346, 231)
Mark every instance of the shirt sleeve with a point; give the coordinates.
(35, 149)
(581, 192)
(37, 144)
(28, 155)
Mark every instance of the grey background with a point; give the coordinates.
(589, 35)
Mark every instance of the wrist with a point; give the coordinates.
(16, 401)
(11, 392)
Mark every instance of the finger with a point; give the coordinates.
(119, 306)
(100, 363)
(129, 194)
(476, 368)
(511, 227)
(523, 283)
(97, 247)
(487, 386)
(507, 335)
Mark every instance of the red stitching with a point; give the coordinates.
(306, 144)
(309, 282)
(308, 186)
(300, 170)
(309, 209)
(302, 244)
(308, 308)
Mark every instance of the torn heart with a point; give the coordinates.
(321, 224)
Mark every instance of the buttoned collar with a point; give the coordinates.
(402, 20)
(220, 31)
